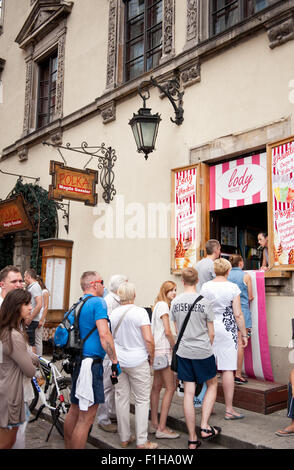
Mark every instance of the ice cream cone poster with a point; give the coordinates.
(282, 179)
(185, 219)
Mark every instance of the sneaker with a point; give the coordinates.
(111, 427)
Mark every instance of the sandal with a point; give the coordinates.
(125, 444)
(211, 432)
(233, 417)
(148, 445)
(197, 443)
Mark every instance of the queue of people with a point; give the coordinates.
(126, 353)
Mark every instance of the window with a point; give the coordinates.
(227, 13)
(47, 91)
(143, 36)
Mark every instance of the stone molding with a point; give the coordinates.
(281, 31)
(112, 44)
(191, 73)
(108, 112)
(168, 30)
(22, 153)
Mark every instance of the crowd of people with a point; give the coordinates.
(130, 354)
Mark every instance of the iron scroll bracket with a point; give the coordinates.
(106, 157)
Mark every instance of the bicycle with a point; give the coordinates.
(54, 392)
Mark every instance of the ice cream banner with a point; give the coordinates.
(283, 203)
(238, 182)
(185, 218)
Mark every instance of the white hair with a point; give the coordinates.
(115, 281)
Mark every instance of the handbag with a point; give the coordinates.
(174, 362)
(160, 362)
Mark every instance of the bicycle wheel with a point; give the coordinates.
(34, 401)
(64, 385)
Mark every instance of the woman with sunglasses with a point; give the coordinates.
(16, 367)
(163, 378)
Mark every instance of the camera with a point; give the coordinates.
(67, 366)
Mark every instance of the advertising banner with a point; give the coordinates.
(282, 189)
(185, 218)
(73, 184)
(13, 216)
(238, 182)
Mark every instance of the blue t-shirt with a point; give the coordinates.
(93, 310)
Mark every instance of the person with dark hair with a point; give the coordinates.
(204, 267)
(17, 364)
(243, 281)
(43, 313)
(32, 323)
(289, 430)
(262, 238)
(10, 278)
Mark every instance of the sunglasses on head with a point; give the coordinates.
(98, 280)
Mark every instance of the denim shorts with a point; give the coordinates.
(97, 383)
(196, 370)
(30, 330)
(290, 402)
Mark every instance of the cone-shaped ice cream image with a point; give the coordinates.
(180, 254)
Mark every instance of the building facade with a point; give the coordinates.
(70, 72)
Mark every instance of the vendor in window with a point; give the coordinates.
(262, 238)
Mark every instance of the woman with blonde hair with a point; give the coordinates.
(164, 376)
(225, 297)
(134, 347)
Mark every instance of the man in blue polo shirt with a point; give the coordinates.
(93, 313)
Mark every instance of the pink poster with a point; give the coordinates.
(238, 182)
(283, 203)
(185, 218)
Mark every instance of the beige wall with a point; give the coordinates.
(240, 89)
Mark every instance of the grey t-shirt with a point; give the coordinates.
(195, 342)
(205, 269)
(35, 291)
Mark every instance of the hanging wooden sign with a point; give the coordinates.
(13, 216)
(73, 184)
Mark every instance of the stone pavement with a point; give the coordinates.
(255, 431)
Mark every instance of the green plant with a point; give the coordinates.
(43, 213)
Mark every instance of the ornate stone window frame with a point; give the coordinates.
(116, 40)
(43, 32)
(2, 5)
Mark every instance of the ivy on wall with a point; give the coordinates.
(43, 213)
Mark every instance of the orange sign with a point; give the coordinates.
(74, 184)
(13, 216)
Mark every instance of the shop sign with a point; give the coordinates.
(184, 218)
(13, 216)
(238, 183)
(281, 214)
(73, 184)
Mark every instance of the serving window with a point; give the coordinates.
(233, 201)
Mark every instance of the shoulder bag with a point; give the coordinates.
(174, 363)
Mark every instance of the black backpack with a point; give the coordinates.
(67, 335)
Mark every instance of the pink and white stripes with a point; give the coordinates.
(185, 204)
(238, 182)
(257, 361)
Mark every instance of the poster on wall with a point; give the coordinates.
(55, 282)
(184, 199)
(281, 209)
(238, 182)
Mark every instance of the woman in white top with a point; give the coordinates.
(228, 316)
(42, 314)
(134, 345)
(164, 342)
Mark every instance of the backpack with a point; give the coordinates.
(67, 334)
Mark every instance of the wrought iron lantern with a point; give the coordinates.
(144, 124)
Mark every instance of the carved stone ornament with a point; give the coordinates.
(282, 32)
(108, 112)
(168, 27)
(60, 77)
(191, 73)
(112, 44)
(192, 20)
(44, 16)
(22, 153)
(28, 97)
(56, 137)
